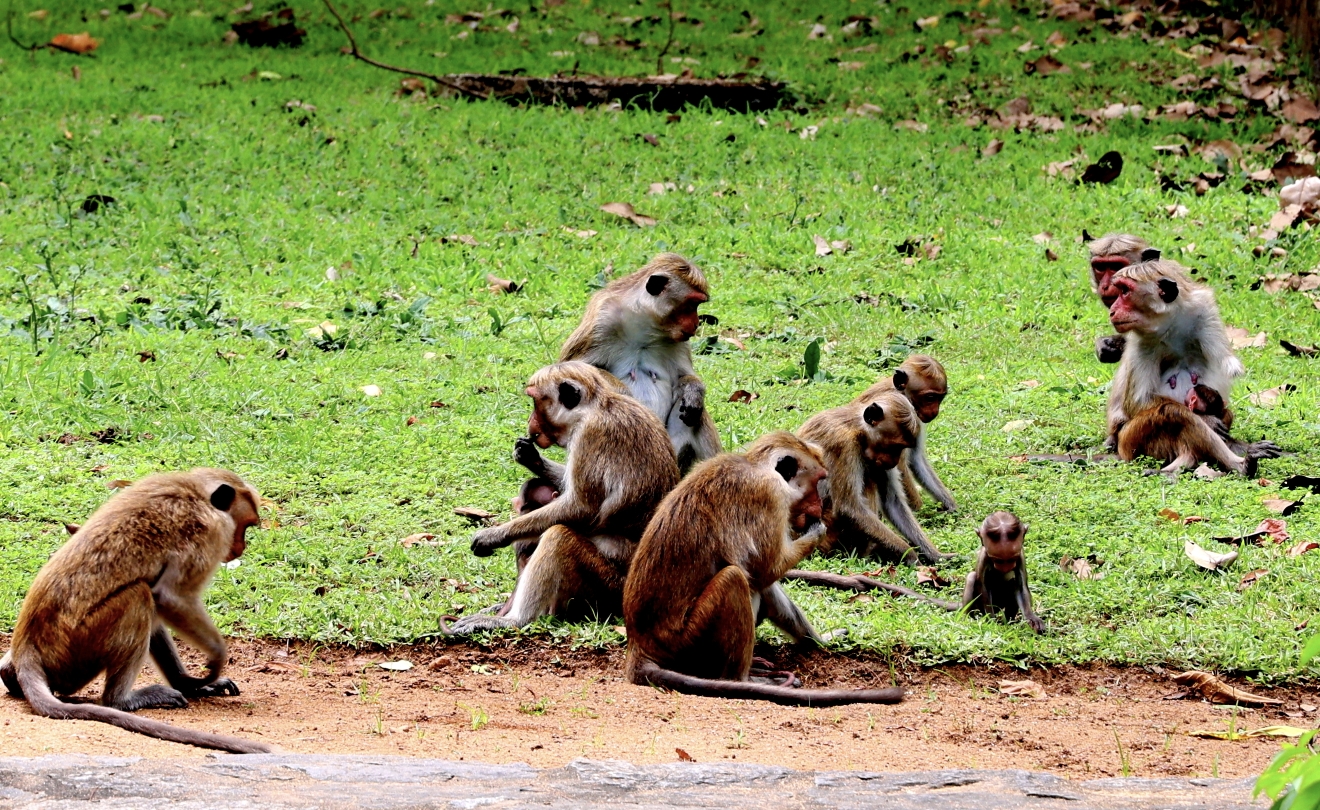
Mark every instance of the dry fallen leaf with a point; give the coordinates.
(1284, 219)
(118, 483)
(1051, 256)
(684, 756)
(1303, 547)
(625, 211)
(1251, 578)
(1276, 528)
(421, 538)
(1045, 66)
(1082, 567)
(993, 148)
(822, 246)
(1242, 339)
(1027, 689)
(1270, 396)
(1282, 506)
(461, 238)
(474, 513)
(1169, 514)
(370, 390)
(1209, 560)
(1176, 211)
(503, 285)
(74, 43)
(1300, 110)
(1216, 691)
(742, 396)
(412, 420)
(927, 575)
(1304, 192)
(1017, 424)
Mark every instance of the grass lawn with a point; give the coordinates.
(244, 220)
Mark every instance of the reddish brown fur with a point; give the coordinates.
(98, 604)
(724, 535)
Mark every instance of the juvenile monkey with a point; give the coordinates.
(1177, 341)
(922, 380)
(721, 538)
(863, 443)
(637, 328)
(108, 598)
(1109, 254)
(996, 584)
(620, 465)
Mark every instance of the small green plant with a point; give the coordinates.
(540, 707)
(1292, 779)
(478, 716)
(1124, 765)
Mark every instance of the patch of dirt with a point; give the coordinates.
(546, 705)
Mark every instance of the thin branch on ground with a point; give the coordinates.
(660, 58)
(357, 54)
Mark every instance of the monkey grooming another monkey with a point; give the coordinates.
(997, 583)
(922, 380)
(1109, 254)
(863, 444)
(638, 328)
(719, 540)
(109, 596)
(1177, 340)
(620, 465)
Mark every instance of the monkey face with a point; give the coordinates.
(685, 319)
(244, 512)
(1142, 306)
(1103, 269)
(557, 405)
(928, 404)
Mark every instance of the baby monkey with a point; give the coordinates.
(996, 584)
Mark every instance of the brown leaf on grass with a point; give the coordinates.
(1242, 339)
(412, 420)
(1056, 39)
(461, 238)
(1190, 519)
(1082, 567)
(419, 539)
(1216, 691)
(1105, 170)
(651, 138)
(1064, 167)
(1209, 560)
(1045, 66)
(438, 404)
(1285, 219)
(1026, 689)
(1282, 506)
(822, 246)
(1220, 152)
(1270, 396)
(1251, 578)
(1276, 528)
(743, 396)
(118, 483)
(1299, 351)
(74, 43)
(993, 148)
(625, 211)
(1176, 211)
(684, 756)
(475, 514)
(1305, 192)
(927, 575)
(1300, 110)
(146, 355)
(503, 285)
(1051, 256)
(1303, 547)
(1169, 514)
(932, 250)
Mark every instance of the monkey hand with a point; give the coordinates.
(526, 454)
(1035, 622)
(948, 505)
(486, 541)
(1264, 449)
(1111, 442)
(691, 405)
(220, 687)
(1110, 349)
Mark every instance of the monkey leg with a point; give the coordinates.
(9, 675)
(166, 657)
(787, 616)
(1173, 433)
(720, 633)
(562, 568)
(124, 650)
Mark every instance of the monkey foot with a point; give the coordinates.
(156, 696)
(220, 687)
(763, 671)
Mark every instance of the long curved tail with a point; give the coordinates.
(859, 582)
(656, 675)
(43, 702)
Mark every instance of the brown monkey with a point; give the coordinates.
(1109, 254)
(922, 380)
(637, 328)
(723, 536)
(996, 584)
(109, 596)
(620, 465)
(863, 444)
(1178, 341)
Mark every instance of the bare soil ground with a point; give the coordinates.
(546, 705)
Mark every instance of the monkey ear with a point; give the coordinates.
(1025, 526)
(900, 379)
(223, 497)
(1086, 237)
(787, 467)
(1168, 290)
(1150, 254)
(569, 395)
(873, 414)
(656, 283)
(72, 528)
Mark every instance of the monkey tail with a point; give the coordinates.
(859, 582)
(656, 675)
(43, 702)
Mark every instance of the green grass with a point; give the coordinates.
(232, 207)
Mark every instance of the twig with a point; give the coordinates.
(660, 59)
(357, 54)
(9, 27)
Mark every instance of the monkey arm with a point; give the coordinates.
(187, 615)
(919, 464)
(567, 509)
(896, 509)
(526, 454)
(851, 515)
(798, 549)
(1024, 600)
(166, 657)
(690, 400)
